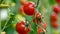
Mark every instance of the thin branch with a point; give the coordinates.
(5, 24)
(42, 28)
(37, 3)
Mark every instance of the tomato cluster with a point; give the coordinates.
(37, 19)
(27, 8)
(53, 16)
(53, 20)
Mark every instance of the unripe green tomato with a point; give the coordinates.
(13, 4)
(19, 17)
(14, 26)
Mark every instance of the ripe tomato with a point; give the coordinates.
(21, 11)
(39, 30)
(53, 17)
(21, 29)
(58, 1)
(29, 8)
(38, 15)
(56, 9)
(43, 25)
(54, 24)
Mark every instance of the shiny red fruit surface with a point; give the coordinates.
(21, 29)
(29, 8)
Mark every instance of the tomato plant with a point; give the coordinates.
(30, 16)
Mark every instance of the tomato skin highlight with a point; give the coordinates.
(20, 28)
(29, 8)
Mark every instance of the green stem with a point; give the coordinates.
(5, 24)
(37, 3)
(42, 28)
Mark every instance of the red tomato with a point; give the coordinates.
(39, 30)
(53, 17)
(21, 8)
(21, 11)
(43, 25)
(56, 9)
(38, 15)
(54, 24)
(29, 8)
(58, 1)
(21, 29)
